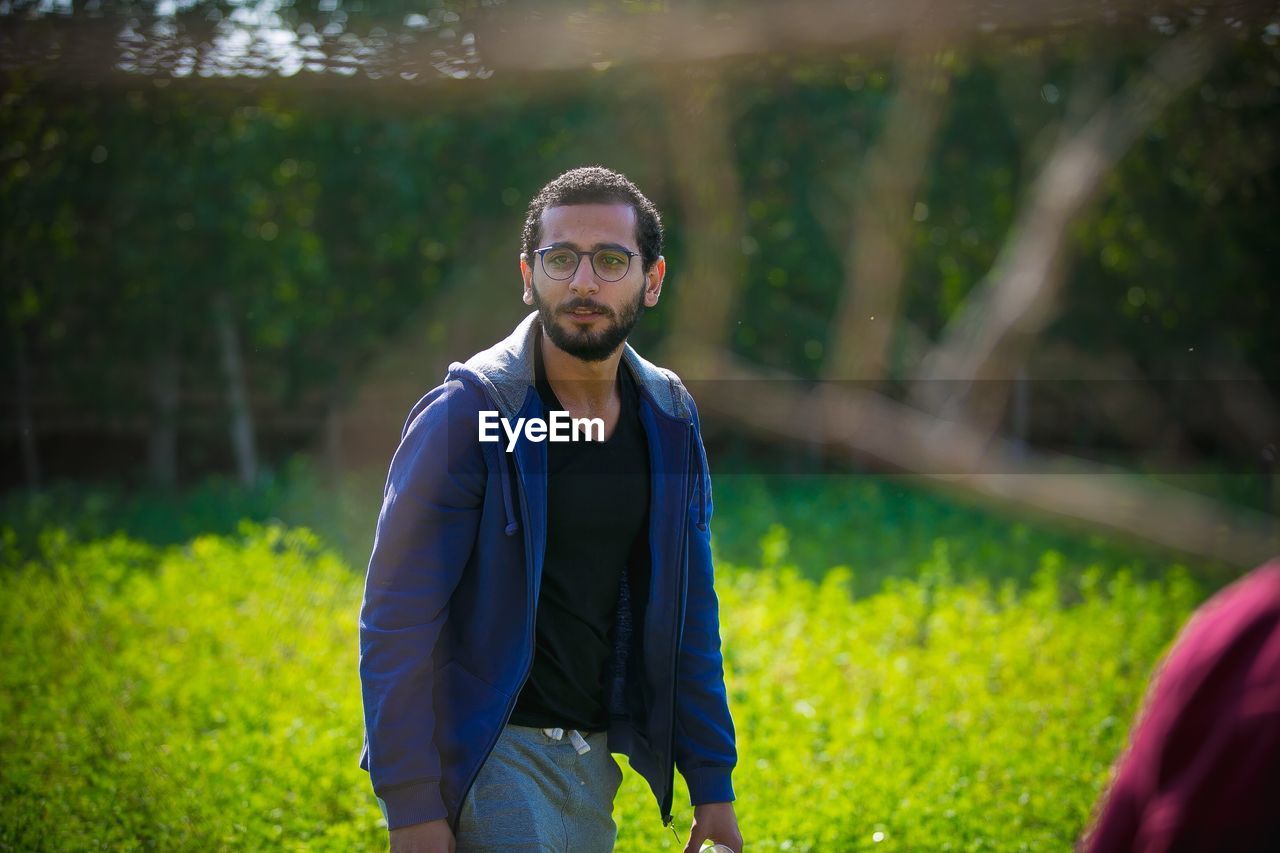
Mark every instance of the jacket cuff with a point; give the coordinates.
(409, 804)
(709, 785)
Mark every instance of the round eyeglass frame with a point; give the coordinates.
(542, 255)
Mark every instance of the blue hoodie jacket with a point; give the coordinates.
(447, 621)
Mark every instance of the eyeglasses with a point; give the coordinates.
(561, 263)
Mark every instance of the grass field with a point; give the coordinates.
(881, 526)
(205, 695)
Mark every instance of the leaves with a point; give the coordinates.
(206, 695)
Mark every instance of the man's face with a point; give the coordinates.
(585, 316)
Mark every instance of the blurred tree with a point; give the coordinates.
(182, 210)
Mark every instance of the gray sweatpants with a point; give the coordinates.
(542, 791)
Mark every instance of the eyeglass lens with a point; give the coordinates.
(608, 264)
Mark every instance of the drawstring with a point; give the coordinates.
(575, 737)
(512, 527)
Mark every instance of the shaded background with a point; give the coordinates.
(239, 232)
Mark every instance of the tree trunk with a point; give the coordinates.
(1021, 414)
(333, 439)
(22, 405)
(242, 437)
(891, 178)
(711, 205)
(162, 449)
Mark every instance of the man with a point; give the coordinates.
(532, 606)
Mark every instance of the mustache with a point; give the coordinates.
(584, 303)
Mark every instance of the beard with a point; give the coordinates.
(583, 343)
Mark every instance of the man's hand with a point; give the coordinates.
(717, 822)
(434, 836)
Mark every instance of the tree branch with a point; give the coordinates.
(990, 333)
(876, 262)
(859, 425)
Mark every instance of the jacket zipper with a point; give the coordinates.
(528, 557)
(679, 621)
(675, 655)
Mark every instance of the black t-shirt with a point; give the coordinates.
(597, 527)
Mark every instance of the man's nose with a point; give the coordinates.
(584, 278)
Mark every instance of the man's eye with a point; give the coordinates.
(609, 259)
(561, 259)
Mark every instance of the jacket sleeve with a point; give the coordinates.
(425, 534)
(705, 743)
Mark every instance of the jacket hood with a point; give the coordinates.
(506, 371)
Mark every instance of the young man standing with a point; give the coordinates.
(533, 603)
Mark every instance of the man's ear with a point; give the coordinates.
(653, 281)
(526, 275)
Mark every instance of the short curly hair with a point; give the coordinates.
(596, 185)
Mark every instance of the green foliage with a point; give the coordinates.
(330, 220)
(346, 510)
(195, 698)
(206, 696)
(939, 714)
(886, 527)
(1178, 212)
(880, 526)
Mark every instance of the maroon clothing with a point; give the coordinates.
(1203, 768)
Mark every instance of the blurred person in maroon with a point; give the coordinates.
(1202, 771)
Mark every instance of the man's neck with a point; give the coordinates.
(578, 384)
